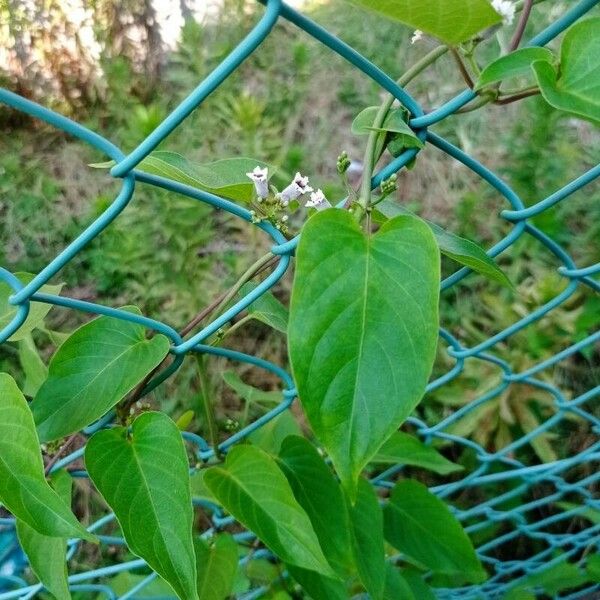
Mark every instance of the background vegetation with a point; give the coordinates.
(290, 104)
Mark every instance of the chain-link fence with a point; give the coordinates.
(516, 501)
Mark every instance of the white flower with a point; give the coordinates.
(260, 177)
(506, 9)
(417, 36)
(298, 187)
(318, 201)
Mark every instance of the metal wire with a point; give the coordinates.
(514, 522)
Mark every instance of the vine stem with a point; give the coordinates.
(370, 159)
(59, 453)
(520, 30)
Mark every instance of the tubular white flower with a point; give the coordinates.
(506, 9)
(298, 187)
(260, 177)
(417, 36)
(318, 201)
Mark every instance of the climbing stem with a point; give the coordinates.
(370, 159)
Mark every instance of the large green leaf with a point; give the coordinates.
(24, 490)
(97, 365)
(37, 310)
(363, 331)
(576, 89)
(320, 495)
(402, 448)
(47, 555)
(226, 177)
(366, 531)
(452, 22)
(267, 308)
(217, 565)
(459, 249)
(419, 589)
(420, 525)
(254, 490)
(510, 65)
(143, 476)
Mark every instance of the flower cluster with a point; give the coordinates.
(270, 204)
(506, 9)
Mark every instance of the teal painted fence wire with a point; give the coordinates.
(492, 467)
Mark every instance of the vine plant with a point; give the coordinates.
(362, 335)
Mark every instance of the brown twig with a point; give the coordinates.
(518, 96)
(520, 30)
(59, 453)
(462, 68)
(136, 394)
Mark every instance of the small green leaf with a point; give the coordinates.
(249, 393)
(100, 362)
(217, 565)
(225, 177)
(32, 364)
(24, 490)
(461, 250)
(396, 587)
(451, 22)
(363, 331)
(589, 513)
(402, 448)
(267, 309)
(510, 65)
(393, 123)
(576, 89)
(421, 526)
(37, 310)
(143, 476)
(320, 495)
(253, 489)
(366, 531)
(47, 555)
(185, 420)
(557, 578)
(270, 436)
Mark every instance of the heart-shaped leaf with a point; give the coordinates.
(24, 490)
(37, 310)
(47, 555)
(576, 89)
(144, 478)
(94, 369)
(510, 65)
(253, 489)
(363, 331)
(226, 177)
(217, 565)
(452, 22)
(420, 525)
(402, 448)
